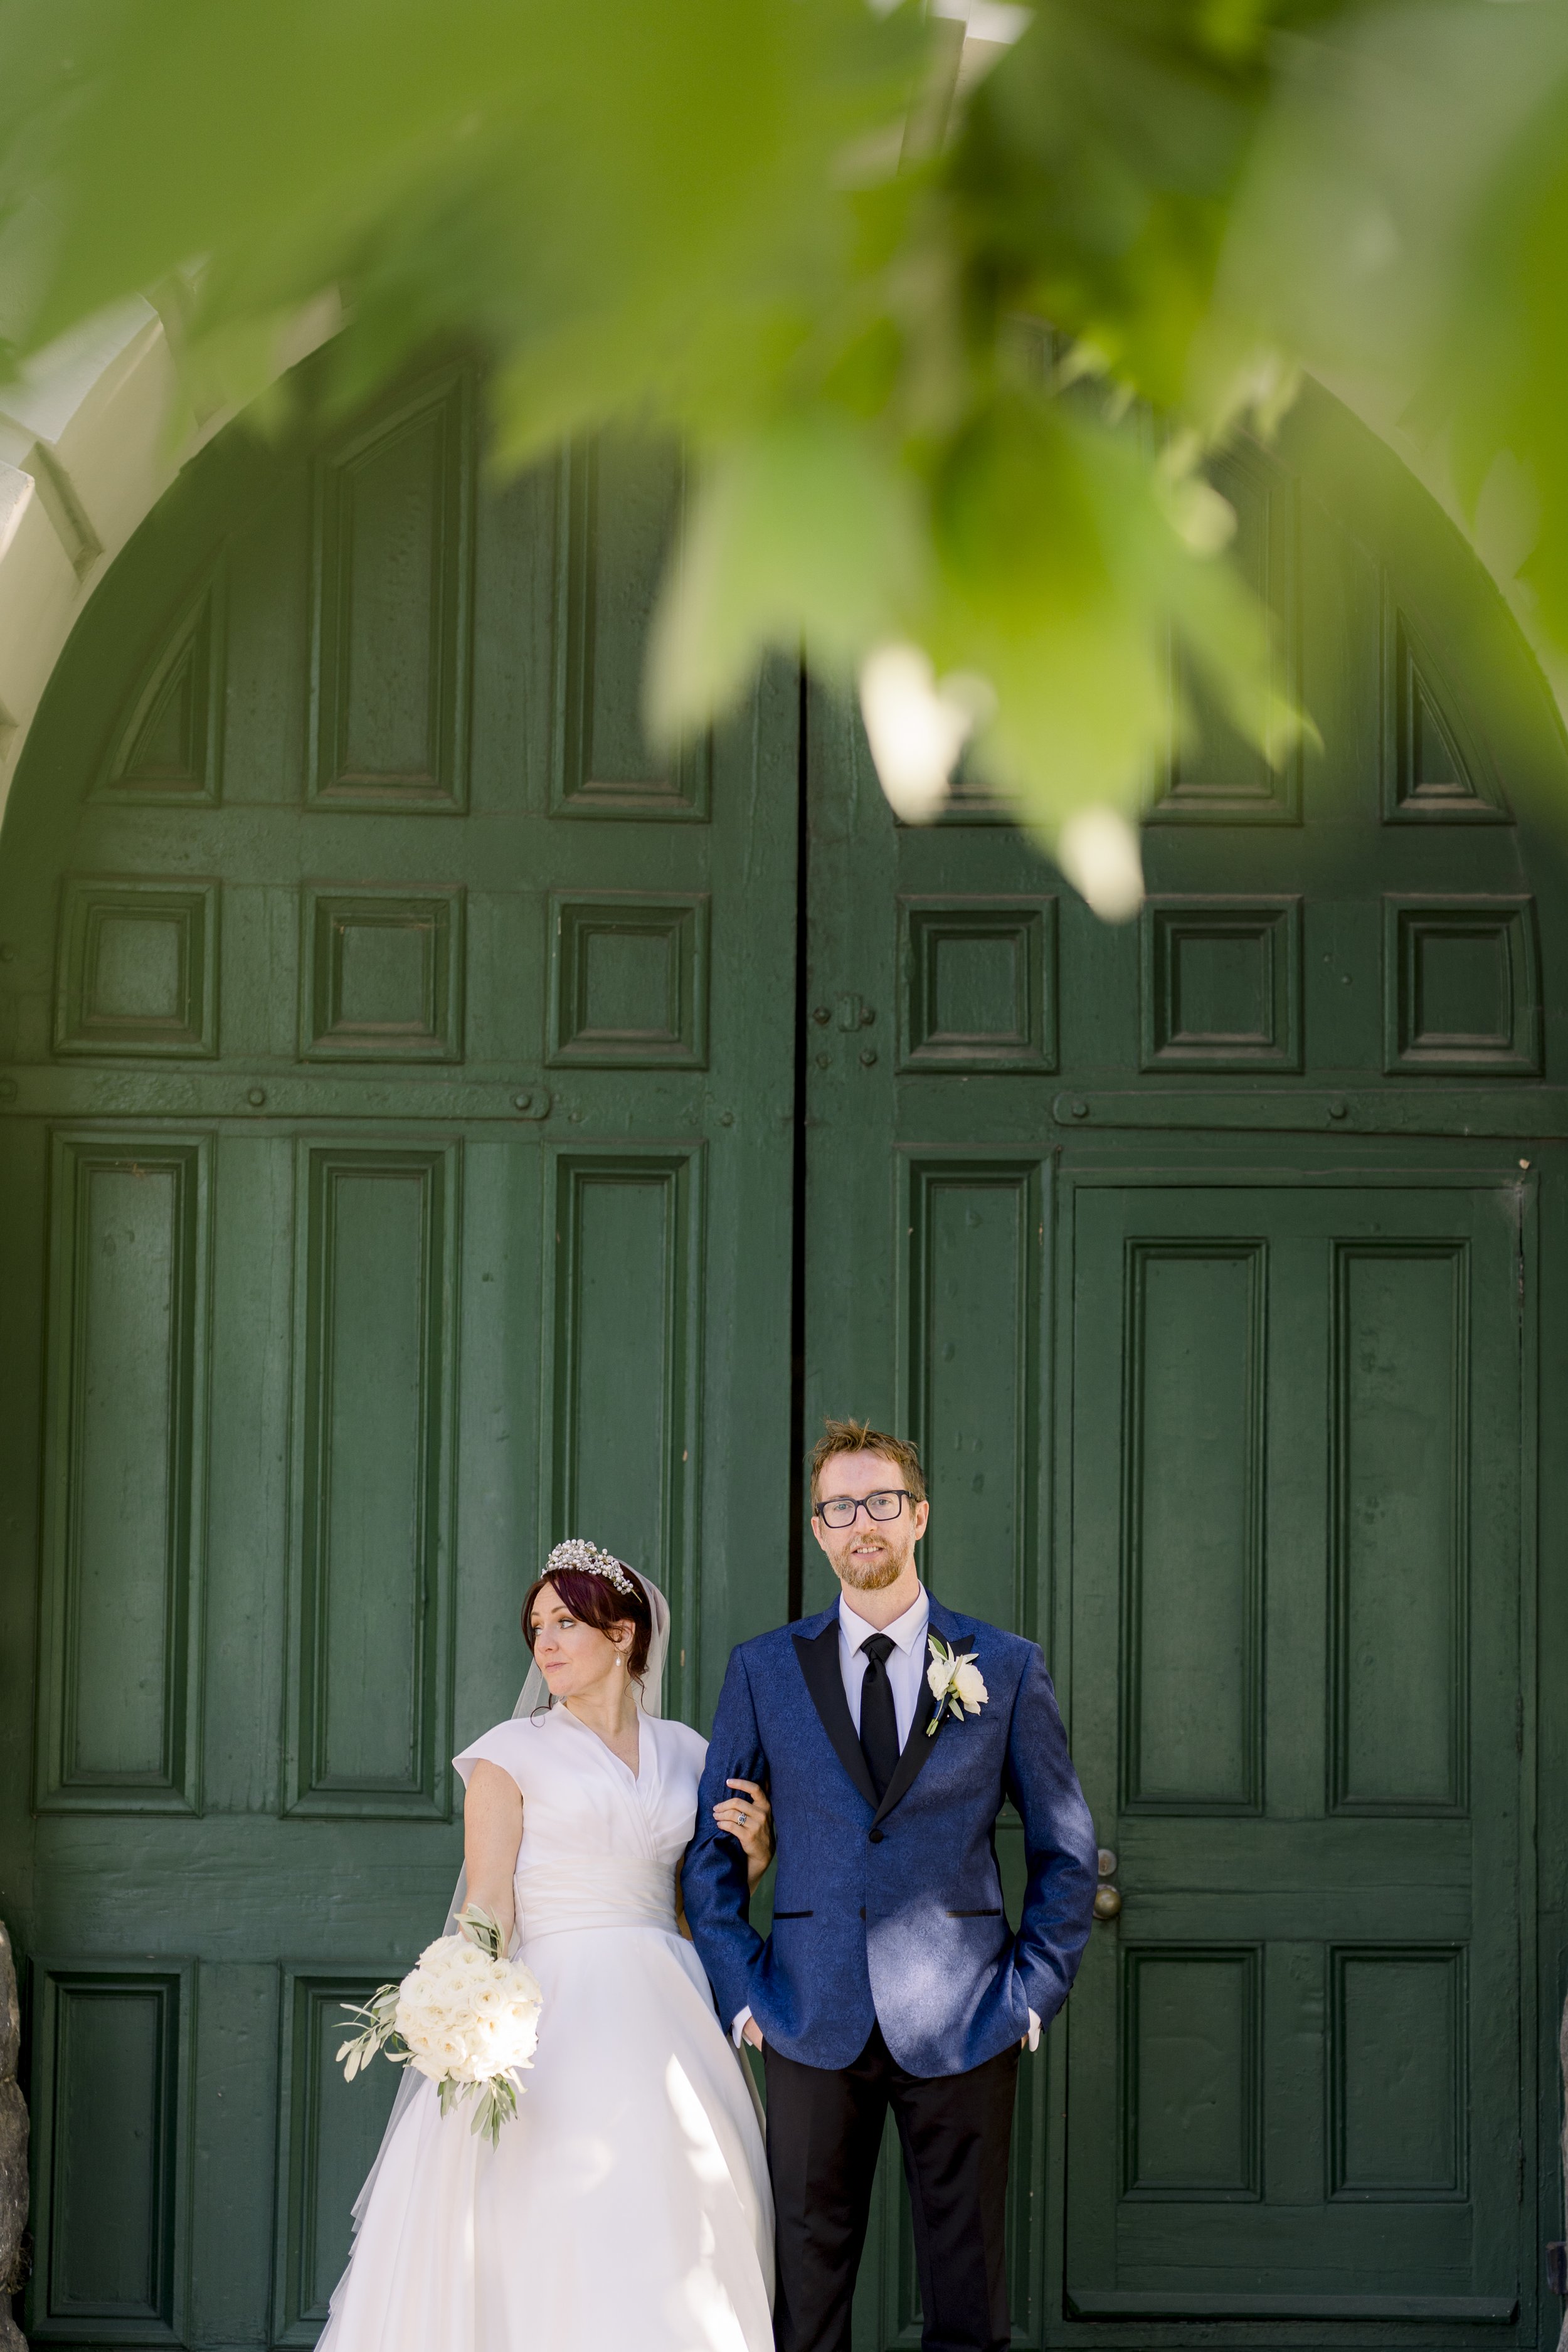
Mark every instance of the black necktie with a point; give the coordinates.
(879, 1721)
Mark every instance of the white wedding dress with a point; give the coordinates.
(627, 2209)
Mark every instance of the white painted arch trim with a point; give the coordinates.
(91, 435)
(90, 440)
(99, 428)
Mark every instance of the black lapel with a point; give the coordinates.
(819, 1658)
(959, 1635)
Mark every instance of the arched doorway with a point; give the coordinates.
(432, 1126)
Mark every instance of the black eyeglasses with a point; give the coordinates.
(841, 1510)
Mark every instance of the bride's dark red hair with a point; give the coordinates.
(594, 1600)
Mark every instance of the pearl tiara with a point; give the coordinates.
(586, 1558)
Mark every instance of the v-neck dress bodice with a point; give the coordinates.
(627, 2209)
(601, 1845)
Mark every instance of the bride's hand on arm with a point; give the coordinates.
(493, 1831)
(750, 1818)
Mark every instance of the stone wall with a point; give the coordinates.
(13, 2153)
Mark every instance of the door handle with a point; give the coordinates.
(1107, 1899)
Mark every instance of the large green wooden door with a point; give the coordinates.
(1199, 1256)
(1294, 2057)
(397, 1076)
(397, 1173)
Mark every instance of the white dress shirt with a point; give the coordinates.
(906, 1662)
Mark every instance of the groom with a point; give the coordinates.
(891, 1976)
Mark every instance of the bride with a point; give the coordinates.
(627, 2204)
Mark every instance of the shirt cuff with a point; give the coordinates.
(1034, 2029)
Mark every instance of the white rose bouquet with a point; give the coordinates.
(466, 2018)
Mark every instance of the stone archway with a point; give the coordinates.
(91, 435)
(98, 428)
(85, 454)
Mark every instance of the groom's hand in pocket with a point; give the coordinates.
(752, 2033)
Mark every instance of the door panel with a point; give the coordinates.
(327, 2141)
(973, 1286)
(375, 1379)
(111, 2167)
(119, 1662)
(1296, 1531)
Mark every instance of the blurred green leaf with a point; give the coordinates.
(804, 534)
(944, 359)
(1405, 221)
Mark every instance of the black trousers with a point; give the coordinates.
(824, 2128)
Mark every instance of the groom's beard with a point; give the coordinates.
(875, 1570)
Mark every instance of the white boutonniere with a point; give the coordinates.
(956, 1682)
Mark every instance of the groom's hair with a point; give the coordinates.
(860, 1437)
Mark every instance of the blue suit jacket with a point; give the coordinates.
(891, 1912)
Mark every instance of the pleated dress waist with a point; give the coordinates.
(554, 1898)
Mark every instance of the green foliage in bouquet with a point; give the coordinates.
(378, 2017)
